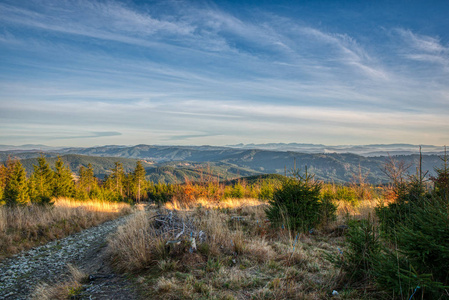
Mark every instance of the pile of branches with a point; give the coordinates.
(175, 228)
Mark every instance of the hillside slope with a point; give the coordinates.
(176, 163)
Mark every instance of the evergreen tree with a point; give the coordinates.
(64, 185)
(16, 187)
(87, 182)
(128, 183)
(116, 179)
(43, 177)
(139, 179)
(32, 187)
(441, 181)
(3, 177)
(297, 203)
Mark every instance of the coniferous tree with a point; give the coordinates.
(43, 181)
(139, 179)
(128, 183)
(3, 177)
(32, 187)
(87, 182)
(441, 181)
(16, 187)
(81, 192)
(64, 185)
(116, 180)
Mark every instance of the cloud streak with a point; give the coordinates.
(200, 73)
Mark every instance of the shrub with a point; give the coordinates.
(422, 240)
(297, 203)
(347, 194)
(238, 191)
(161, 193)
(328, 211)
(417, 223)
(363, 247)
(441, 181)
(409, 195)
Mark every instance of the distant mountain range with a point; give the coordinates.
(177, 163)
(364, 150)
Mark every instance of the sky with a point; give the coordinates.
(87, 72)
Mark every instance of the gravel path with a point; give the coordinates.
(20, 274)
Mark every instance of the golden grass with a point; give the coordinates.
(62, 290)
(210, 204)
(24, 227)
(134, 245)
(242, 258)
(363, 210)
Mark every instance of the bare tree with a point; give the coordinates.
(395, 170)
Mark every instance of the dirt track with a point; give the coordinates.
(20, 274)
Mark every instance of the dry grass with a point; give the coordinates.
(205, 203)
(134, 245)
(363, 210)
(62, 290)
(242, 257)
(24, 227)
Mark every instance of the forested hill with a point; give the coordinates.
(175, 163)
(101, 165)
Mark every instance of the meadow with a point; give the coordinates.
(243, 256)
(269, 237)
(308, 240)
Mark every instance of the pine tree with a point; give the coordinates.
(43, 177)
(63, 183)
(116, 179)
(87, 182)
(139, 179)
(16, 187)
(128, 183)
(80, 185)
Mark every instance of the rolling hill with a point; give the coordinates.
(176, 163)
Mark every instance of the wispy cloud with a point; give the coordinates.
(425, 48)
(190, 72)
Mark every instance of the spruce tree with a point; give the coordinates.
(441, 181)
(139, 179)
(43, 177)
(63, 183)
(87, 182)
(16, 187)
(128, 183)
(116, 179)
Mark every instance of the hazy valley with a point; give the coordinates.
(173, 164)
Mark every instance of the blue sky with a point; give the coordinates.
(86, 72)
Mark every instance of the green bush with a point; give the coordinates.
(421, 257)
(423, 242)
(363, 246)
(266, 191)
(417, 224)
(297, 204)
(340, 192)
(410, 195)
(238, 191)
(328, 211)
(161, 193)
(347, 194)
